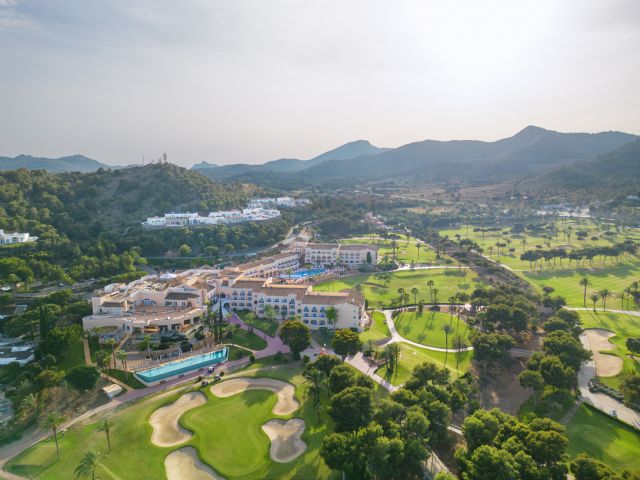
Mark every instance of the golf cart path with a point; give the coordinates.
(274, 344)
(601, 401)
(634, 313)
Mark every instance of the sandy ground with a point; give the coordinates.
(286, 403)
(500, 388)
(167, 432)
(606, 365)
(184, 464)
(286, 443)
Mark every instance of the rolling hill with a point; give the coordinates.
(289, 165)
(73, 163)
(611, 175)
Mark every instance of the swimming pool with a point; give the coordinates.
(311, 272)
(183, 365)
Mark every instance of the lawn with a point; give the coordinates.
(604, 438)
(378, 329)
(247, 339)
(624, 326)
(614, 277)
(411, 356)
(233, 443)
(406, 251)
(427, 328)
(270, 328)
(523, 241)
(378, 293)
(128, 378)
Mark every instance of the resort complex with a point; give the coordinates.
(15, 237)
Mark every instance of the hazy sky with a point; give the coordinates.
(254, 80)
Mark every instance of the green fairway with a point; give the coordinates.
(566, 283)
(228, 436)
(427, 328)
(406, 251)
(378, 329)
(447, 281)
(604, 438)
(411, 356)
(624, 326)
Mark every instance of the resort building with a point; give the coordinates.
(273, 266)
(352, 255)
(153, 304)
(254, 213)
(277, 202)
(288, 301)
(15, 237)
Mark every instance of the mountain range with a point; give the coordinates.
(73, 163)
(527, 154)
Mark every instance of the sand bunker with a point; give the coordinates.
(184, 464)
(167, 432)
(286, 403)
(606, 365)
(286, 443)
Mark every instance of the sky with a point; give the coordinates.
(248, 81)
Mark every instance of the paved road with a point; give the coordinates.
(599, 400)
(274, 344)
(635, 313)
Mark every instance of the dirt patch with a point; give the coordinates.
(286, 403)
(184, 464)
(167, 432)
(500, 388)
(606, 365)
(285, 436)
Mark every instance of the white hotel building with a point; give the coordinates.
(214, 218)
(324, 254)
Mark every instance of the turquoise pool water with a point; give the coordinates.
(176, 367)
(311, 272)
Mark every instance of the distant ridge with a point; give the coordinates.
(73, 163)
(347, 151)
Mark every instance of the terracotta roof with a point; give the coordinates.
(113, 304)
(249, 283)
(180, 295)
(326, 298)
(356, 246)
(284, 290)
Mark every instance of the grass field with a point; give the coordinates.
(247, 340)
(624, 326)
(427, 328)
(233, 442)
(446, 281)
(604, 438)
(378, 329)
(406, 251)
(411, 356)
(270, 328)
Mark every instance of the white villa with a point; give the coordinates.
(277, 202)
(15, 237)
(213, 218)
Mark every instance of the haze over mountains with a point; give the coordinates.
(73, 163)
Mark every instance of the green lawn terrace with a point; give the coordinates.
(561, 234)
(406, 249)
(410, 357)
(600, 436)
(427, 328)
(623, 326)
(381, 289)
(227, 434)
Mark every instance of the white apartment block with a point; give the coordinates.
(350, 255)
(278, 202)
(288, 301)
(15, 237)
(213, 218)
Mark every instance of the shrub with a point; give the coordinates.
(252, 358)
(83, 377)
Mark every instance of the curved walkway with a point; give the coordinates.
(635, 313)
(396, 337)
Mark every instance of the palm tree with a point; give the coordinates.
(332, 316)
(628, 292)
(447, 330)
(105, 427)
(594, 298)
(147, 340)
(53, 421)
(400, 296)
(604, 294)
(452, 301)
(29, 405)
(430, 284)
(88, 465)
(435, 297)
(584, 281)
(112, 343)
(122, 356)
(415, 292)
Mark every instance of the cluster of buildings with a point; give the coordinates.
(257, 210)
(157, 304)
(15, 237)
